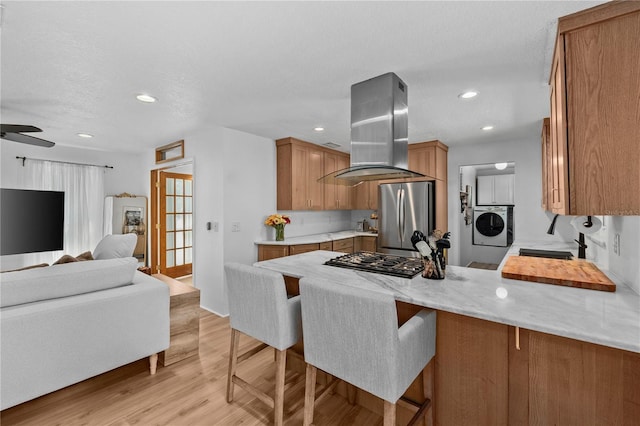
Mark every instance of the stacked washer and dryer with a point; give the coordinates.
(493, 226)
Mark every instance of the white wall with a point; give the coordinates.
(124, 177)
(531, 222)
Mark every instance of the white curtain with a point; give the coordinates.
(84, 197)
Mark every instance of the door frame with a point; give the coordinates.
(154, 212)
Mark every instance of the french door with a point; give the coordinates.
(175, 224)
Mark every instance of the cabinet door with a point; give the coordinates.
(578, 383)
(373, 195)
(268, 252)
(343, 192)
(315, 170)
(422, 160)
(366, 196)
(471, 371)
(503, 186)
(299, 183)
(485, 190)
(303, 248)
(546, 164)
(330, 190)
(559, 159)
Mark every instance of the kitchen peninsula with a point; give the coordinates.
(515, 352)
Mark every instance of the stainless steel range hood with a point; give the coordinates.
(379, 130)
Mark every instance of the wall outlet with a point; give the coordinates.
(235, 226)
(616, 244)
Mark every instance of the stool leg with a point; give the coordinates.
(389, 414)
(233, 361)
(309, 394)
(278, 400)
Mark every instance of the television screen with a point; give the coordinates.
(31, 221)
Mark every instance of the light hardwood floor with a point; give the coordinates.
(189, 392)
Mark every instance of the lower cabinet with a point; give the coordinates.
(493, 374)
(345, 245)
(365, 243)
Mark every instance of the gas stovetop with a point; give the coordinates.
(398, 266)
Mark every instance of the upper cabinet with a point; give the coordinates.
(366, 196)
(336, 196)
(496, 190)
(546, 163)
(429, 158)
(299, 166)
(595, 113)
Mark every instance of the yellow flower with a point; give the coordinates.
(277, 220)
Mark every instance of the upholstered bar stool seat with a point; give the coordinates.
(259, 307)
(353, 334)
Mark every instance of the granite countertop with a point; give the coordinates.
(610, 319)
(316, 238)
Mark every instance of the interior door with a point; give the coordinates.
(176, 224)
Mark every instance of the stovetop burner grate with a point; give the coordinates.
(397, 266)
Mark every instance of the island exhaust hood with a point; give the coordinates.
(379, 132)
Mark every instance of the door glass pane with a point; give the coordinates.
(179, 187)
(170, 242)
(179, 204)
(187, 255)
(169, 204)
(170, 226)
(170, 186)
(188, 205)
(179, 239)
(188, 187)
(188, 221)
(179, 222)
(170, 260)
(188, 239)
(179, 257)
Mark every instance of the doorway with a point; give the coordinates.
(172, 221)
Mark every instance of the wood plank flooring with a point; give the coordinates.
(189, 392)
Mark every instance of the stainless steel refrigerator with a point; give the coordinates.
(402, 209)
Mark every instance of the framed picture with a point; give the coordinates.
(133, 218)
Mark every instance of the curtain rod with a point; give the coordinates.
(61, 162)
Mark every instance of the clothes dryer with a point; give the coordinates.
(493, 226)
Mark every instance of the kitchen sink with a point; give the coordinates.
(549, 254)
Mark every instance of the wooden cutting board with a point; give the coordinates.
(571, 273)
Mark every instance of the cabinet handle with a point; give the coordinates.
(518, 338)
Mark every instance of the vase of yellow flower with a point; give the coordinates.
(278, 221)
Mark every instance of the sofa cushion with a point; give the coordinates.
(115, 246)
(65, 280)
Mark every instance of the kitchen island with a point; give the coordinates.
(515, 352)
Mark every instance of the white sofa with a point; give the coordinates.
(65, 323)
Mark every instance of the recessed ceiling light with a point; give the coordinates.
(145, 98)
(500, 166)
(85, 135)
(319, 129)
(487, 128)
(468, 94)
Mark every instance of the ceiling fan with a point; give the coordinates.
(14, 132)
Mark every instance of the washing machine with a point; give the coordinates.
(493, 226)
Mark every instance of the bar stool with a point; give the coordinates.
(259, 307)
(352, 334)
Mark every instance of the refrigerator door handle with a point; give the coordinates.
(398, 207)
(402, 214)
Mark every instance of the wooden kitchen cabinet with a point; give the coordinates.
(572, 382)
(344, 245)
(485, 375)
(268, 252)
(303, 248)
(595, 113)
(428, 158)
(366, 195)
(546, 163)
(365, 243)
(471, 371)
(299, 166)
(336, 196)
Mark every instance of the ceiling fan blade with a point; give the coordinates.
(18, 128)
(18, 137)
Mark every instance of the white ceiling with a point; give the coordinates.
(274, 69)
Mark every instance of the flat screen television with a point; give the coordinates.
(31, 221)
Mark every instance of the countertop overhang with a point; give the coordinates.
(609, 319)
